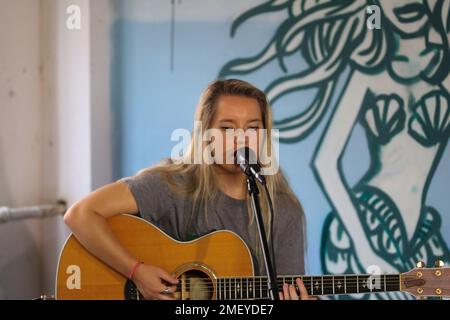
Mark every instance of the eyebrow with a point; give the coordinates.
(231, 120)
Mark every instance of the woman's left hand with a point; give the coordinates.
(290, 293)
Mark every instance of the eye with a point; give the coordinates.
(226, 128)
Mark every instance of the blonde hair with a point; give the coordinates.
(198, 180)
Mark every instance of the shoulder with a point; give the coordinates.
(144, 177)
(159, 180)
(147, 181)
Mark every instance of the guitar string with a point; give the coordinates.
(257, 286)
(260, 281)
(231, 291)
(236, 283)
(325, 283)
(227, 287)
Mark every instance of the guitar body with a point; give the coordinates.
(80, 275)
(216, 266)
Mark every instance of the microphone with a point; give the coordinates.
(246, 159)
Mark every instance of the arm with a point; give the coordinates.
(87, 219)
(327, 167)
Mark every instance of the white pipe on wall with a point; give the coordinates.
(41, 211)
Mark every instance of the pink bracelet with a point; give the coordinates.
(133, 270)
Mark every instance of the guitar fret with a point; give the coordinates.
(385, 282)
(227, 289)
(328, 285)
(307, 284)
(219, 290)
(357, 284)
(312, 288)
(240, 287)
(233, 287)
(338, 285)
(352, 285)
(260, 289)
(333, 284)
(246, 286)
(364, 284)
(321, 279)
(252, 288)
(345, 283)
(224, 289)
(394, 282)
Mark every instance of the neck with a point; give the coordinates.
(256, 287)
(233, 184)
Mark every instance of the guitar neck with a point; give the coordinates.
(256, 287)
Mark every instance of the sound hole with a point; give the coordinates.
(197, 286)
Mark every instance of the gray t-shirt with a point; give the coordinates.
(169, 211)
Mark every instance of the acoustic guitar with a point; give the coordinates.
(215, 266)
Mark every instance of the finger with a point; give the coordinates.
(280, 295)
(313, 298)
(286, 291)
(293, 292)
(167, 277)
(303, 292)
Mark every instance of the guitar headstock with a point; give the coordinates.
(427, 282)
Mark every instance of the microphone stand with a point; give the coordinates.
(271, 276)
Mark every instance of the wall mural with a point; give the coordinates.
(398, 90)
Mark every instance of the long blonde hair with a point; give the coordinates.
(199, 180)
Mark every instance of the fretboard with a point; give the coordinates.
(256, 287)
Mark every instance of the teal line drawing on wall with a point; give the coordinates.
(398, 90)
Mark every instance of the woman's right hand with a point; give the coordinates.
(151, 281)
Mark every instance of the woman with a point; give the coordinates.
(187, 200)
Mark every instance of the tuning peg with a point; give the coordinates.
(439, 263)
(420, 264)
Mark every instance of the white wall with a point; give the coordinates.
(54, 129)
(20, 145)
(76, 106)
(66, 112)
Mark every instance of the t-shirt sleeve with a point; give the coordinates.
(289, 239)
(152, 195)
